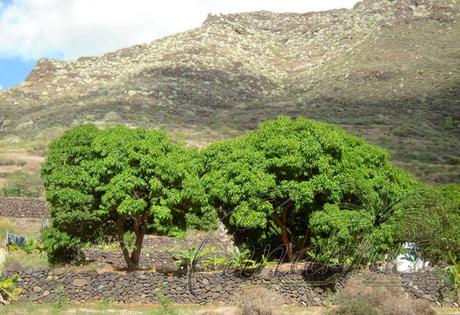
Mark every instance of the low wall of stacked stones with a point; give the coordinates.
(40, 286)
(50, 285)
(23, 208)
(428, 285)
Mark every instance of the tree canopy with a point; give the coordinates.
(299, 187)
(291, 183)
(101, 183)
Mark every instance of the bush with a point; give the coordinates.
(431, 220)
(355, 307)
(448, 123)
(59, 246)
(20, 184)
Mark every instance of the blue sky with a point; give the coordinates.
(68, 29)
(13, 69)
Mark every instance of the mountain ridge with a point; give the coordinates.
(386, 70)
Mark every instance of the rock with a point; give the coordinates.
(80, 282)
(111, 116)
(37, 289)
(24, 125)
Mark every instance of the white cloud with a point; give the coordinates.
(73, 28)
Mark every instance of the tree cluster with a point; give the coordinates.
(297, 188)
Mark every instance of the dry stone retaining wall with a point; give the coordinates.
(23, 208)
(298, 289)
(427, 285)
(206, 288)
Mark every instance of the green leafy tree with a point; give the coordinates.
(111, 181)
(270, 185)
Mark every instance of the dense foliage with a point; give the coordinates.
(432, 221)
(308, 186)
(107, 182)
(292, 188)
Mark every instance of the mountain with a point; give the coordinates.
(386, 70)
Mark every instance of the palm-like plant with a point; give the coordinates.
(187, 258)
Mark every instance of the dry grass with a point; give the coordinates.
(380, 295)
(259, 301)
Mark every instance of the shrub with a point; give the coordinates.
(355, 307)
(20, 184)
(453, 273)
(448, 123)
(187, 258)
(242, 260)
(8, 289)
(431, 220)
(60, 247)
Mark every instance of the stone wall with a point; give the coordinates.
(202, 288)
(429, 285)
(23, 208)
(299, 289)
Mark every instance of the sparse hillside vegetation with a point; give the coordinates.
(386, 70)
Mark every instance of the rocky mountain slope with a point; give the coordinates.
(388, 70)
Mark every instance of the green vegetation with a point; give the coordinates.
(453, 273)
(292, 188)
(108, 182)
(187, 258)
(375, 75)
(8, 289)
(285, 184)
(29, 255)
(242, 260)
(20, 184)
(431, 220)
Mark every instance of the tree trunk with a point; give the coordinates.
(124, 249)
(140, 227)
(305, 241)
(284, 233)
